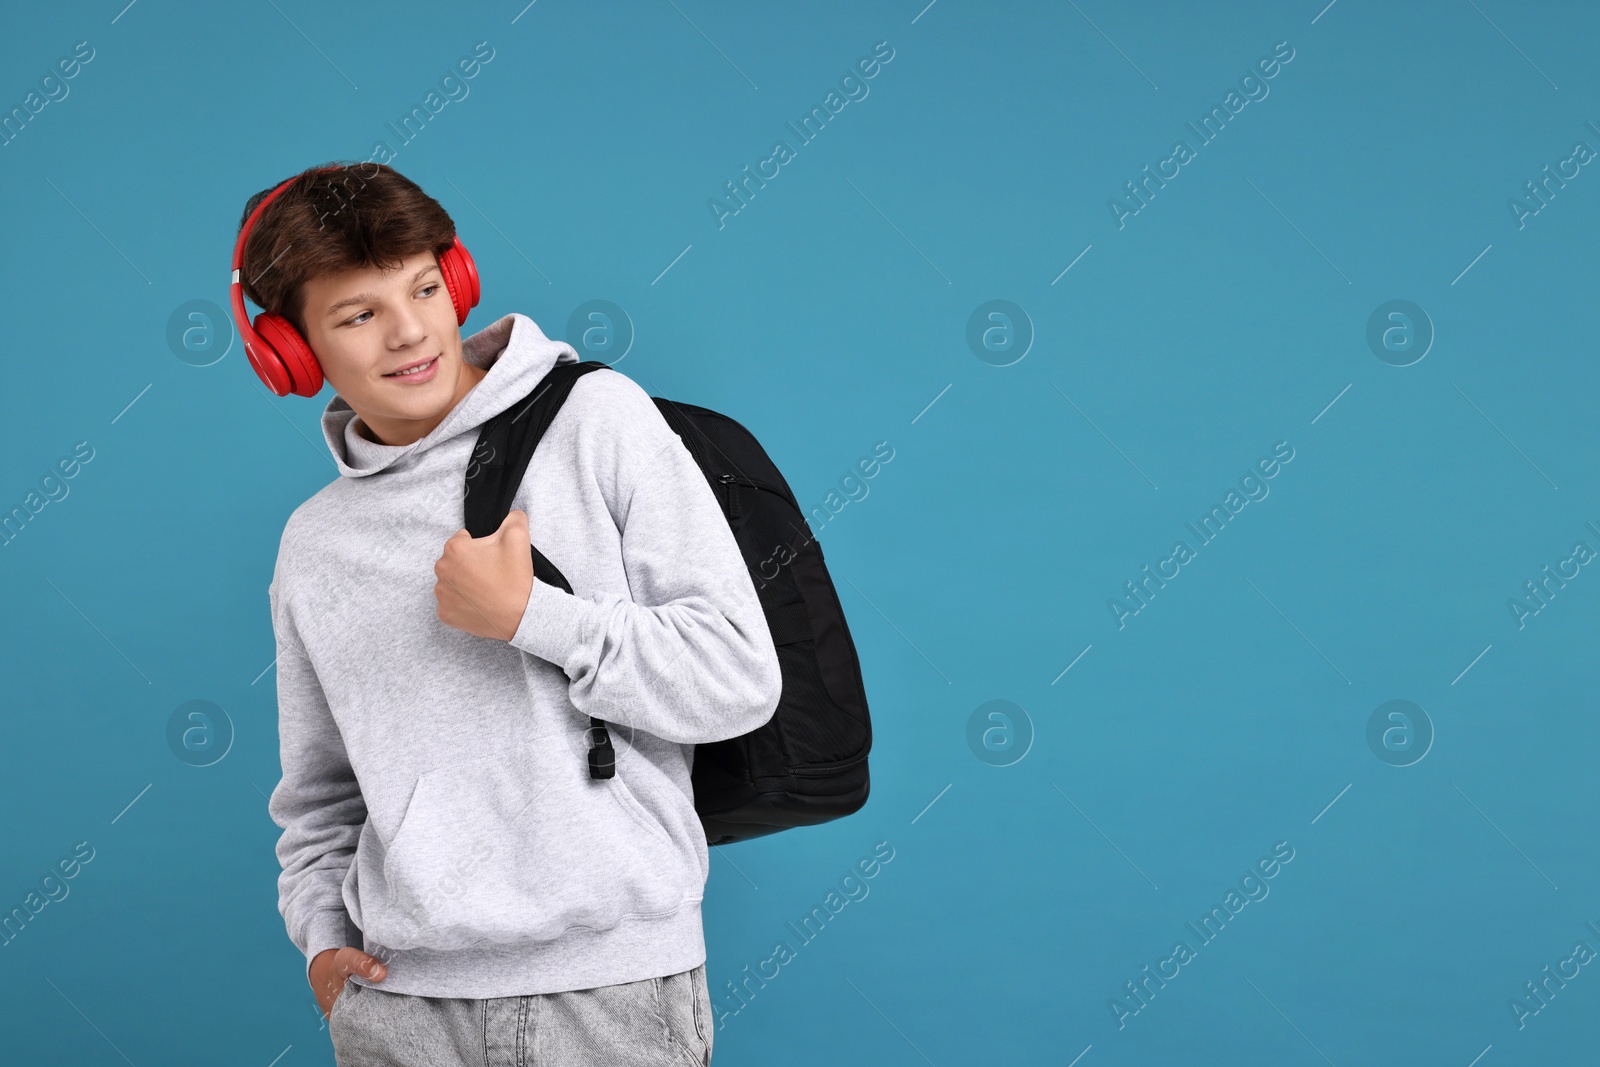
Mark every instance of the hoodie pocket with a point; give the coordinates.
(485, 852)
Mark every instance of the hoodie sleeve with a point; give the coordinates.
(317, 802)
(689, 658)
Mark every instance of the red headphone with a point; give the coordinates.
(281, 357)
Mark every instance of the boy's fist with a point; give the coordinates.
(484, 582)
(331, 969)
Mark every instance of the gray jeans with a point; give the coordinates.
(657, 1021)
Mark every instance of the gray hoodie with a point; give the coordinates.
(436, 804)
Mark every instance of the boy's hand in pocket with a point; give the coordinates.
(331, 969)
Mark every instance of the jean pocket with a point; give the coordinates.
(686, 1008)
(345, 993)
(702, 1007)
(685, 1015)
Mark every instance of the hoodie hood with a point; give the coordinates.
(514, 351)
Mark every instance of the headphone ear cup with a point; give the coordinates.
(460, 279)
(289, 351)
(268, 367)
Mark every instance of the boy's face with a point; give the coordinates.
(366, 324)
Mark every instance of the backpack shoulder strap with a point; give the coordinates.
(494, 474)
(506, 444)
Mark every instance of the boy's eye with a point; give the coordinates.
(425, 291)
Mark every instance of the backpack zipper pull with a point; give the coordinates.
(733, 496)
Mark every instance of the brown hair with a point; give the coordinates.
(359, 215)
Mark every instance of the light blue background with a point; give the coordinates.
(830, 314)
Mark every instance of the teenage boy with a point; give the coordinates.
(462, 888)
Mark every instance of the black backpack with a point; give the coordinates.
(808, 763)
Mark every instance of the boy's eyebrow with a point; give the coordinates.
(368, 298)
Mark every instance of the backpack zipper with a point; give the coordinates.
(736, 479)
(825, 770)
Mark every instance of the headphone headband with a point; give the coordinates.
(269, 372)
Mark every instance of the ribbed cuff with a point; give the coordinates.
(554, 624)
(330, 928)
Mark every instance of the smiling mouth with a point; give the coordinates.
(421, 368)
